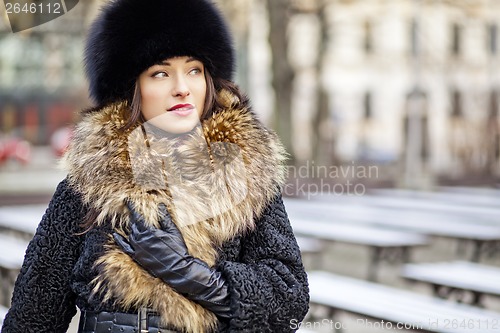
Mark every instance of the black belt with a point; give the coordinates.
(145, 321)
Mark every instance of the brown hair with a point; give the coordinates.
(213, 104)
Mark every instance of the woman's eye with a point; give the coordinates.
(160, 74)
(195, 71)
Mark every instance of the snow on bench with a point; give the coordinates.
(21, 219)
(448, 277)
(12, 251)
(355, 234)
(467, 199)
(417, 220)
(401, 307)
(383, 243)
(309, 245)
(3, 312)
(310, 248)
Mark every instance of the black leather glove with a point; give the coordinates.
(163, 253)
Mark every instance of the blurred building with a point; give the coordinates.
(41, 79)
(417, 82)
(413, 84)
(42, 84)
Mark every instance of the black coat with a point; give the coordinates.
(262, 263)
(267, 281)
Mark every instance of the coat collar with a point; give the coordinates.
(215, 181)
(230, 166)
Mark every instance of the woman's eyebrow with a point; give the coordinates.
(163, 62)
(166, 63)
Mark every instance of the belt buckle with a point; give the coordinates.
(143, 319)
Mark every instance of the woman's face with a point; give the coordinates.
(173, 94)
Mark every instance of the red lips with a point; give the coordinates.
(181, 106)
(182, 110)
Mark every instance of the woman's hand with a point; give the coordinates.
(163, 253)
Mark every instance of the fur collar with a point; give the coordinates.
(215, 181)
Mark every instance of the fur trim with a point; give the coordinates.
(133, 288)
(129, 36)
(215, 181)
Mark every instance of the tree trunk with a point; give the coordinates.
(282, 71)
(236, 11)
(322, 143)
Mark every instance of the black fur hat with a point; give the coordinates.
(129, 36)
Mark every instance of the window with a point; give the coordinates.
(493, 38)
(456, 104)
(493, 104)
(416, 112)
(367, 105)
(456, 39)
(497, 147)
(368, 39)
(415, 47)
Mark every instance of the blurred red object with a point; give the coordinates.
(59, 141)
(15, 148)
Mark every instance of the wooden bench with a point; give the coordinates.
(485, 238)
(400, 308)
(483, 214)
(472, 199)
(310, 249)
(488, 215)
(309, 245)
(3, 312)
(456, 278)
(392, 246)
(21, 220)
(12, 252)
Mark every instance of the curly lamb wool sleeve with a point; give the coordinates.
(268, 287)
(42, 300)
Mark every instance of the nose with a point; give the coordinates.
(181, 88)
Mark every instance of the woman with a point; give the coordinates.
(171, 217)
